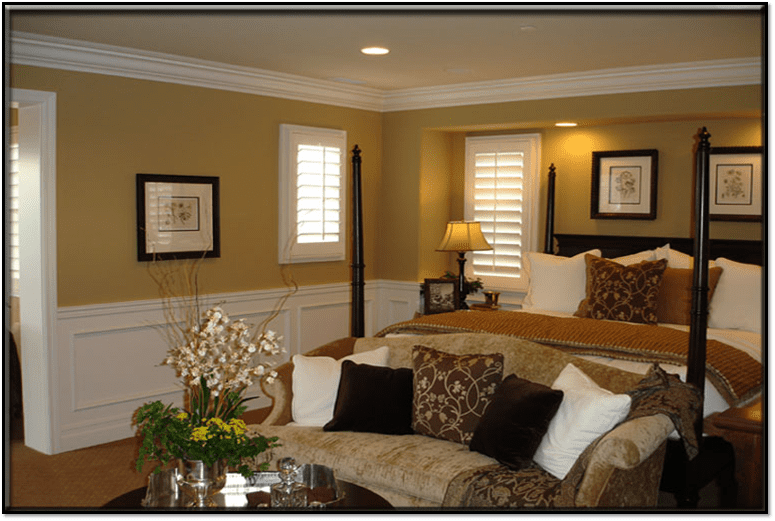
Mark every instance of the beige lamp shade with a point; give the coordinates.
(463, 236)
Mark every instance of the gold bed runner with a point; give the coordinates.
(735, 374)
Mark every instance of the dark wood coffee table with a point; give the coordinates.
(355, 498)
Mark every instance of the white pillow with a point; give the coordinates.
(556, 283)
(737, 301)
(586, 412)
(316, 384)
(677, 259)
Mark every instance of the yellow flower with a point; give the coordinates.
(183, 415)
(238, 426)
(199, 434)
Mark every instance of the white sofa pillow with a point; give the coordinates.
(556, 283)
(737, 301)
(316, 383)
(586, 412)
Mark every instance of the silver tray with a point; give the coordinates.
(241, 492)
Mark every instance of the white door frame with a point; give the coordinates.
(38, 267)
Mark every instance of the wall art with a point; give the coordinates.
(735, 184)
(178, 217)
(624, 184)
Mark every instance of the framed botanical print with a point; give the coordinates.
(178, 217)
(624, 184)
(735, 184)
(440, 295)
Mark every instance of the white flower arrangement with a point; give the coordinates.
(222, 352)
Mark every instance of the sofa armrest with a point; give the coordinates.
(281, 389)
(630, 443)
(624, 448)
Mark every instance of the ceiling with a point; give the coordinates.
(427, 48)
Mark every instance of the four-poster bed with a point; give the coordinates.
(704, 358)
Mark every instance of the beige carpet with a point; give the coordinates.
(79, 479)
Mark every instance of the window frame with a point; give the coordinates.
(290, 251)
(530, 145)
(12, 255)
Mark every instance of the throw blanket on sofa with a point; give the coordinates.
(735, 374)
(498, 486)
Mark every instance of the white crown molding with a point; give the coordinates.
(60, 53)
(73, 55)
(706, 74)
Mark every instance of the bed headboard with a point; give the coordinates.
(568, 245)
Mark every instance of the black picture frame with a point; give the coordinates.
(624, 184)
(735, 184)
(178, 217)
(440, 296)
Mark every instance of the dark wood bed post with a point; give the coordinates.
(357, 322)
(549, 239)
(695, 372)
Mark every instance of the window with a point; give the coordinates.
(13, 202)
(312, 194)
(502, 193)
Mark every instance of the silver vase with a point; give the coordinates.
(200, 482)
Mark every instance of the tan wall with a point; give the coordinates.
(666, 121)
(436, 183)
(571, 151)
(111, 128)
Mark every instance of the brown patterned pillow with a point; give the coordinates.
(625, 293)
(675, 294)
(451, 392)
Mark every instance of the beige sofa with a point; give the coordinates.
(623, 470)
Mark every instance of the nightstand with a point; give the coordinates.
(742, 427)
(484, 307)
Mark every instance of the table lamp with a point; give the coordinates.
(463, 236)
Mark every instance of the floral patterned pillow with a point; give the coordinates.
(625, 293)
(451, 392)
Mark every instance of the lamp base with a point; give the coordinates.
(461, 280)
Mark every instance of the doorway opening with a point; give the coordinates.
(37, 273)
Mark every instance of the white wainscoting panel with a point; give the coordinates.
(109, 355)
(398, 301)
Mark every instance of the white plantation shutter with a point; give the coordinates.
(312, 194)
(501, 192)
(318, 182)
(13, 201)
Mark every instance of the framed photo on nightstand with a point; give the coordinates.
(441, 296)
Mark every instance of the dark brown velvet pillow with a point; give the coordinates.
(451, 392)
(516, 420)
(675, 294)
(373, 399)
(625, 293)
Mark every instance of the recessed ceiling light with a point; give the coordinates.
(566, 124)
(375, 51)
